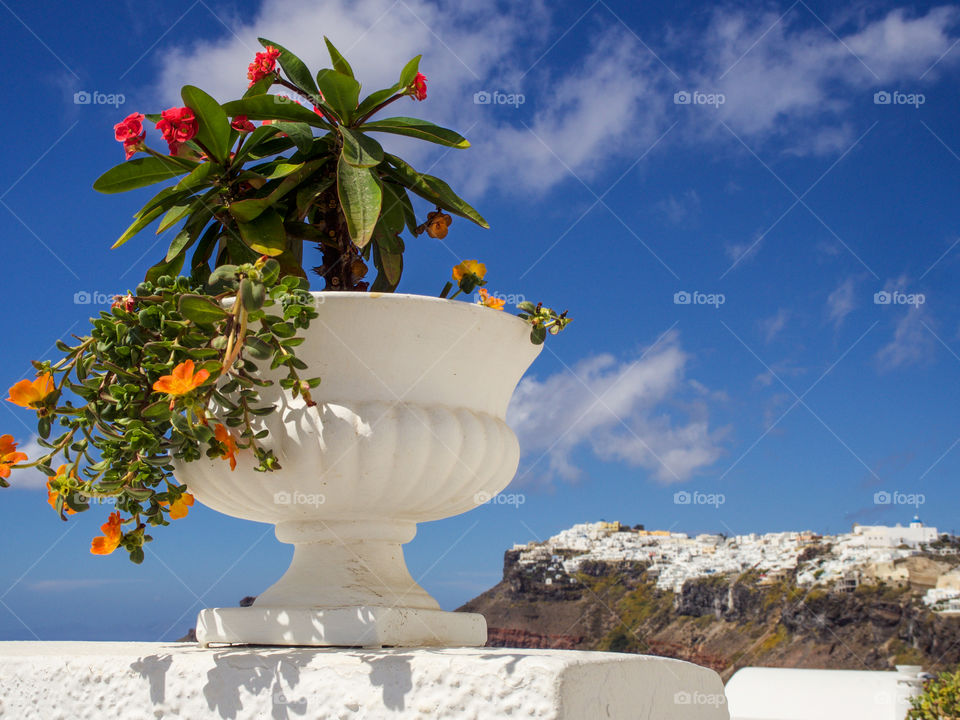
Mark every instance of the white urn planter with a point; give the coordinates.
(408, 427)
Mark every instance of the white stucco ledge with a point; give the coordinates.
(79, 680)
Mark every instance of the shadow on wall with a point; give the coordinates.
(276, 670)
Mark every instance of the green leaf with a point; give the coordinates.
(257, 348)
(299, 132)
(361, 198)
(213, 131)
(248, 210)
(201, 256)
(264, 234)
(360, 150)
(397, 210)
(409, 72)
(165, 267)
(223, 278)
(273, 107)
(159, 206)
(340, 92)
(538, 334)
(159, 410)
(197, 178)
(294, 67)
(254, 140)
(308, 193)
(414, 127)
(270, 271)
(252, 294)
(138, 173)
(200, 309)
(340, 63)
(200, 213)
(374, 99)
(390, 268)
(176, 214)
(183, 240)
(260, 87)
(432, 189)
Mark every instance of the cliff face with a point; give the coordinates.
(720, 622)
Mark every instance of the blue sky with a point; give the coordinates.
(786, 185)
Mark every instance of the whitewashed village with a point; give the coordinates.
(895, 555)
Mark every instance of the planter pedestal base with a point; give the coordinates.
(365, 626)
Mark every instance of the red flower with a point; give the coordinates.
(177, 125)
(131, 133)
(127, 302)
(419, 87)
(131, 127)
(241, 123)
(263, 64)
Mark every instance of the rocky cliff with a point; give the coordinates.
(722, 622)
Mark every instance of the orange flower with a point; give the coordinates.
(182, 381)
(53, 494)
(437, 224)
(469, 267)
(223, 435)
(489, 301)
(31, 394)
(180, 507)
(9, 455)
(111, 536)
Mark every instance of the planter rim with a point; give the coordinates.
(355, 296)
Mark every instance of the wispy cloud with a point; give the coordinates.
(638, 411)
(911, 344)
(790, 79)
(772, 326)
(841, 302)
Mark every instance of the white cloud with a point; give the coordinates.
(841, 302)
(912, 343)
(897, 47)
(771, 326)
(682, 209)
(29, 478)
(791, 79)
(624, 411)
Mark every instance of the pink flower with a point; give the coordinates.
(263, 64)
(177, 125)
(131, 133)
(130, 127)
(241, 123)
(419, 87)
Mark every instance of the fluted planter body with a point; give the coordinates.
(408, 427)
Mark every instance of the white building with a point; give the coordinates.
(890, 537)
